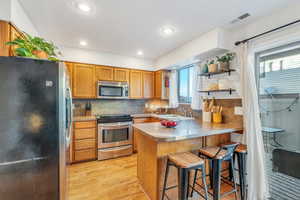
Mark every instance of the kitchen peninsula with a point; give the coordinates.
(155, 142)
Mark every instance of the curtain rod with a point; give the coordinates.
(264, 33)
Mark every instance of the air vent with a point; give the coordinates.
(242, 17)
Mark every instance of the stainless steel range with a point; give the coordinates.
(114, 136)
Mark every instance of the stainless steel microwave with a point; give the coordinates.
(112, 90)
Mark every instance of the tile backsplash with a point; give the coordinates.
(110, 106)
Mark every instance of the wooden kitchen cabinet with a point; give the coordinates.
(84, 141)
(121, 75)
(4, 37)
(84, 84)
(148, 85)
(104, 73)
(136, 84)
(158, 84)
(8, 32)
(69, 67)
(14, 34)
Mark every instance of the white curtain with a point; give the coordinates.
(196, 81)
(257, 180)
(173, 96)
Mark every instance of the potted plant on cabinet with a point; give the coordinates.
(224, 61)
(34, 47)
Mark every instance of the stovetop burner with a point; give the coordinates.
(114, 118)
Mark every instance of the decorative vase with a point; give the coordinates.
(224, 66)
(205, 68)
(40, 54)
(212, 68)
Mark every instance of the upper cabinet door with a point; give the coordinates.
(104, 73)
(158, 84)
(69, 67)
(136, 84)
(121, 75)
(84, 83)
(4, 37)
(14, 34)
(148, 85)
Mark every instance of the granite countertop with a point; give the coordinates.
(84, 118)
(162, 116)
(159, 116)
(186, 129)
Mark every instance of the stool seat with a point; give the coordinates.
(185, 160)
(241, 148)
(212, 151)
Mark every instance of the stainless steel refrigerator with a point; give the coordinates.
(35, 127)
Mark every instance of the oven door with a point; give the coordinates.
(114, 135)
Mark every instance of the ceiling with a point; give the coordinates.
(124, 27)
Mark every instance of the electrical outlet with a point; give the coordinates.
(238, 110)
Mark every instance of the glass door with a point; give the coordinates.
(278, 78)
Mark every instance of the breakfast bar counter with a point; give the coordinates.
(155, 142)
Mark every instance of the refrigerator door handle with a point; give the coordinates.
(70, 116)
(22, 161)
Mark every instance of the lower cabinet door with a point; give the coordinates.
(82, 155)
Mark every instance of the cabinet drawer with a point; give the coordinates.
(85, 124)
(85, 144)
(85, 133)
(115, 152)
(82, 155)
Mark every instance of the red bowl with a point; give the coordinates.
(168, 123)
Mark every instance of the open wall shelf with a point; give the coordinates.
(216, 91)
(209, 74)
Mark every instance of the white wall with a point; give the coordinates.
(20, 18)
(205, 43)
(5, 10)
(102, 58)
(273, 20)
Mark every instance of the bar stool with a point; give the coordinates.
(216, 156)
(184, 162)
(241, 153)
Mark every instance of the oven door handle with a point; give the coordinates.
(114, 127)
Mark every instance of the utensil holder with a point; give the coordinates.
(217, 117)
(206, 116)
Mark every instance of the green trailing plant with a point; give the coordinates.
(27, 46)
(211, 62)
(225, 58)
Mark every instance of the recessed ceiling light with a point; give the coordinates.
(84, 7)
(83, 43)
(140, 53)
(167, 31)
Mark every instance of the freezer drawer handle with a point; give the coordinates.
(22, 161)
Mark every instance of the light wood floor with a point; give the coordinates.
(114, 179)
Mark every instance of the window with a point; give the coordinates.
(279, 70)
(185, 83)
